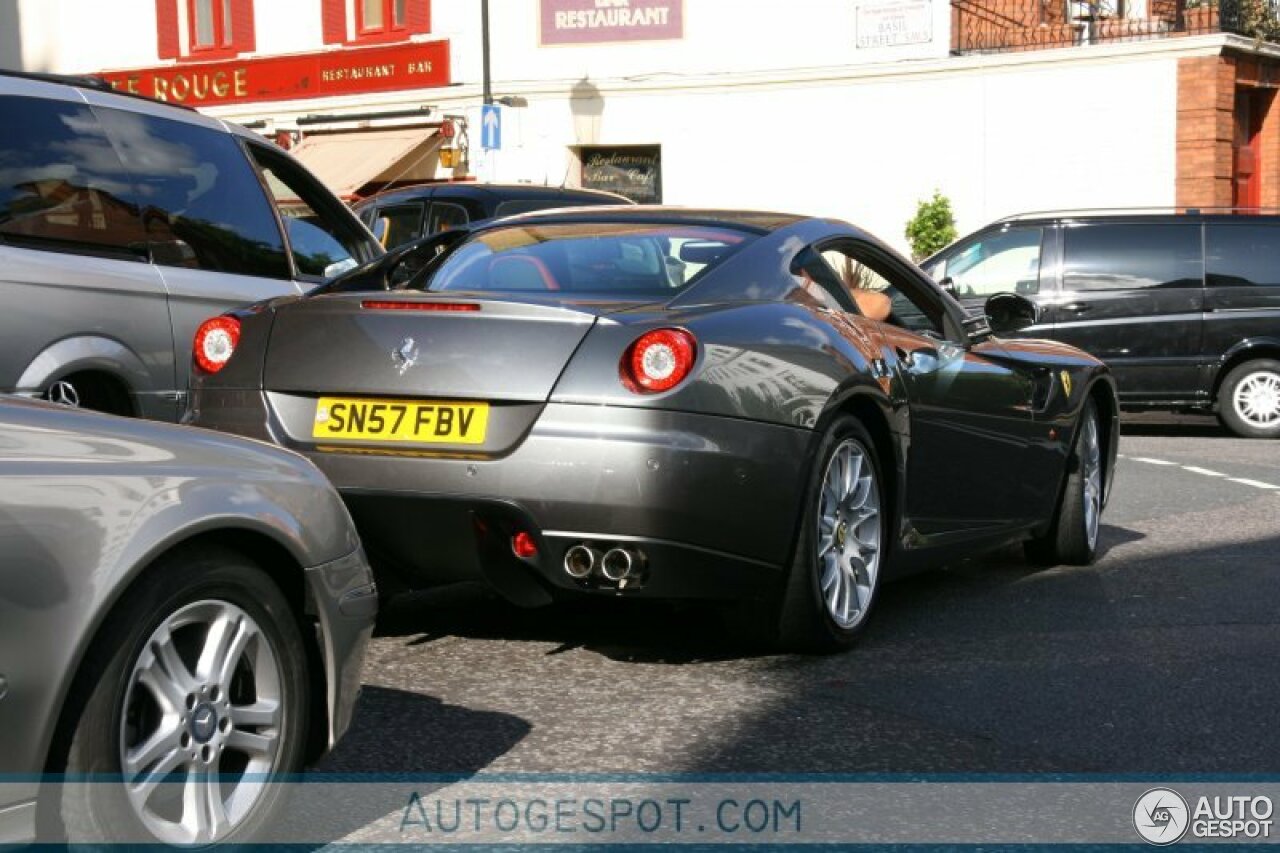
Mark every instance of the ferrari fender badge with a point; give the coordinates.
(1066, 382)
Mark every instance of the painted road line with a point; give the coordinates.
(1257, 484)
(1150, 461)
(1194, 470)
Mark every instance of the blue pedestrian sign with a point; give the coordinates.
(491, 127)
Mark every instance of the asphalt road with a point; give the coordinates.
(1164, 657)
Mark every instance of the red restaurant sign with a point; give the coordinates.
(416, 65)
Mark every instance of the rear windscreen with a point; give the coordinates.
(616, 259)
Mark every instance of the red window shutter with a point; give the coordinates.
(243, 37)
(334, 19)
(417, 15)
(167, 29)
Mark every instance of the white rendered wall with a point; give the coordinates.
(998, 139)
(73, 36)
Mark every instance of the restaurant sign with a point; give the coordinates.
(597, 21)
(634, 171)
(416, 65)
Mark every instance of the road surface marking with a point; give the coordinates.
(1257, 484)
(1194, 470)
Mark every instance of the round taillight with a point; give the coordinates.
(659, 360)
(215, 343)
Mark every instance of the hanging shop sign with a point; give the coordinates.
(415, 65)
(894, 23)
(634, 171)
(599, 21)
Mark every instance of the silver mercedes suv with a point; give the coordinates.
(125, 223)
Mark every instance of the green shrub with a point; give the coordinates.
(932, 228)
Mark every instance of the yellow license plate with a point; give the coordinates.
(418, 421)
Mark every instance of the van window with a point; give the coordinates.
(1124, 257)
(1242, 255)
(445, 216)
(398, 224)
(1003, 262)
(203, 206)
(62, 185)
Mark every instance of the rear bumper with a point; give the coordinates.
(712, 501)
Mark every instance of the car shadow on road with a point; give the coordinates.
(628, 631)
(632, 631)
(398, 741)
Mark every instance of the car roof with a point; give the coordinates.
(755, 220)
(86, 81)
(1143, 214)
(501, 192)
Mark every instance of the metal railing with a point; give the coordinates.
(989, 26)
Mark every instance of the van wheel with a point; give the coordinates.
(193, 695)
(96, 391)
(1249, 399)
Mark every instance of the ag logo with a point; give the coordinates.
(1161, 816)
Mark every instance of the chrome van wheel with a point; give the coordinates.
(1249, 399)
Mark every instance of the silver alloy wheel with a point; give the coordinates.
(63, 393)
(1091, 473)
(1257, 399)
(201, 730)
(848, 550)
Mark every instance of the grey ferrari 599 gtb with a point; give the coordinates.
(652, 402)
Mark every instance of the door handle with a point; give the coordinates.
(924, 360)
(1077, 307)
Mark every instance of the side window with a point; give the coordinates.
(322, 243)
(62, 185)
(1007, 261)
(398, 224)
(1125, 257)
(1242, 255)
(203, 207)
(445, 216)
(873, 286)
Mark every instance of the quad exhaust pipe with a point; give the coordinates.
(617, 565)
(581, 560)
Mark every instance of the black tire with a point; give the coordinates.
(94, 812)
(1233, 412)
(1070, 539)
(804, 621)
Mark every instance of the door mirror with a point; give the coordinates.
(399, 267)
(1009, 312)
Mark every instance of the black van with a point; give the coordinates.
(1184, 307)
